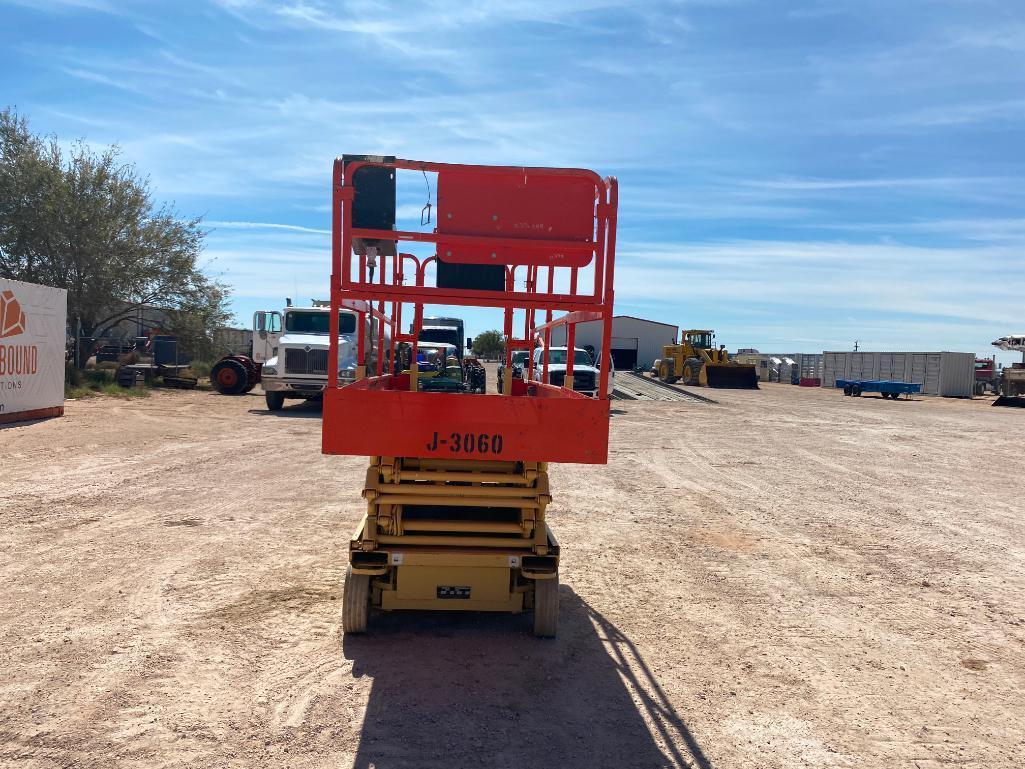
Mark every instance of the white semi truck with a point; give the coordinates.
(290, 354)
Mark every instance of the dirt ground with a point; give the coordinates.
(790, 578)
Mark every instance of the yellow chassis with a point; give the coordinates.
(453, 535)
(411, 576)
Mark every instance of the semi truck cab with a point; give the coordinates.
(292, 347)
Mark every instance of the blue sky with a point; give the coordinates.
(796, 175)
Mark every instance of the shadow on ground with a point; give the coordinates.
(301, 409)
(455, 690)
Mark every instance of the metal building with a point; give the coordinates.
(635, 341)
(950, 374)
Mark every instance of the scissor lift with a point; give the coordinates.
(457, 486)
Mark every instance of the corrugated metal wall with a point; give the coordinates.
(950, 374)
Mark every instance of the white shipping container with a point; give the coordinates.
(949, 374)
(33, 335)
(834, 366)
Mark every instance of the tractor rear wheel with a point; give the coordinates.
(355, 602)
(546, 607)
(229, 377)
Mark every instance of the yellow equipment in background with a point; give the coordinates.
(697, 362)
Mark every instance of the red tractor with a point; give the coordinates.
(235, 374)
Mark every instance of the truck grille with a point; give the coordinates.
(305, 362)
(582, 380)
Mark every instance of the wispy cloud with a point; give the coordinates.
(927, 182)
(264, 226)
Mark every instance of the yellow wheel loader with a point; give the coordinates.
(697, 362)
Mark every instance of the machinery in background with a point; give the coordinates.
(1012, 378)
(697, 362)
(156, 357)
(886, 388)
(450, 331)
(987, 376)
(520, 359)
(237, 374)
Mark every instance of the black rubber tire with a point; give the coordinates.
(846, 389)
(275, 401)
(229, 377)
(856, 390)
(666, 373)
(355, 602)
(546, 607)
(692, 371)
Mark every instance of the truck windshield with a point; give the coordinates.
(317, 322)
(580, 358)
(449, 335)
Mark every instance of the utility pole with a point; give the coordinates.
(855, 345)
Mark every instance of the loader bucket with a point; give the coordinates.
(732, 376)
(1010, 400)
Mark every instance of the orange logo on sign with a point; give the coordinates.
(12, 317)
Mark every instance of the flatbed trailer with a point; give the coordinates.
(457, 487)
(888, 389)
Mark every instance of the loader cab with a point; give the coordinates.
(701, 340)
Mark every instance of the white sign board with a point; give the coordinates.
(33, 321)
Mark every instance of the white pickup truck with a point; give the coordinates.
(293, 346)
(585, 375)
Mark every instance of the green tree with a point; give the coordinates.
(489, 344)
(88, 223)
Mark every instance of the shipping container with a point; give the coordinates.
(949, 374)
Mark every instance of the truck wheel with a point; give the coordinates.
(275, 401)
(355, 602)
(546, 607)
(856, 390)
(229, 377)
(846, 389)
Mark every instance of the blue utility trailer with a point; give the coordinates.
(887, 388)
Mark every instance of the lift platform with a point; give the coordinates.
(457, 485)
